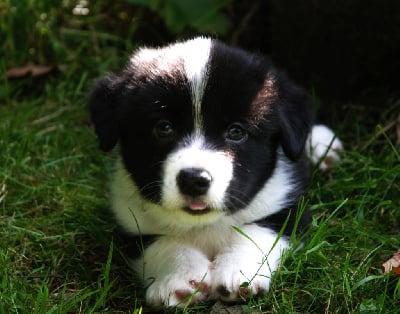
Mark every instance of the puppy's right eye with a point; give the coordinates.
(163, 130)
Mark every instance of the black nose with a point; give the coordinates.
(193, 181)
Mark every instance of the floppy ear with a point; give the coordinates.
(103, 107)
(295, 115)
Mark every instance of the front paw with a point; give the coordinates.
(233, 282)
(179, 289)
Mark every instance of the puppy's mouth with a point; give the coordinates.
(196, 206)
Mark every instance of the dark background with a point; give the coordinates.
(345, 49)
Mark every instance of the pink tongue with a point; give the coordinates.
(197, 205)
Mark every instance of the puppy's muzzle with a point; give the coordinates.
(194, 182)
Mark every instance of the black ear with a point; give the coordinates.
(103, 107)
(295, 115)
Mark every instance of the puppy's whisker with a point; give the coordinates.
(236, 199)
(151, 189)
(152, 184)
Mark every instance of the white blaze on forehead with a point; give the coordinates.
(188, 59)
(196, 58)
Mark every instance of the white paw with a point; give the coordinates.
(323, 148)
(238, 278)
(176, 274)
(180, 288)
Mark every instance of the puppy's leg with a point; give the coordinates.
(177, 273)
(245, 267)
(323, 147)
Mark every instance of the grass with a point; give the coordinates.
(59, 252)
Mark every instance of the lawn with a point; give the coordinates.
(59, 249)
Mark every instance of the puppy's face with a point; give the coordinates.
(199, 124)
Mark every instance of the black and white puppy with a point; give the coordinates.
(211, 165)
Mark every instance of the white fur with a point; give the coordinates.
(250, 258)
(171, 267)
(196, 57)
(323, 147)
(273, 196)
(195, 155)
(140, 216)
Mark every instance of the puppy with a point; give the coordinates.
(211, 167)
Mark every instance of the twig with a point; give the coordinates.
(381, 131)
(244, 22)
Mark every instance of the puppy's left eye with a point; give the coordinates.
(236, 133)
(163, 130)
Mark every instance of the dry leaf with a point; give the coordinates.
(33, 69)
(392, 265)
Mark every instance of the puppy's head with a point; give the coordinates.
(199, 124)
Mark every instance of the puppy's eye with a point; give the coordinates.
(163, 130)
(235, 133)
